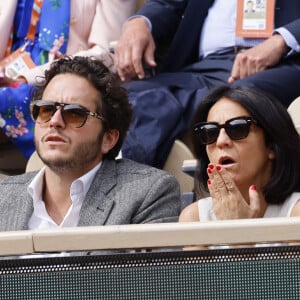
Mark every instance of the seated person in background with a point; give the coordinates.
(192, 46)
(81, 118)
(81, 28)
(249, 157)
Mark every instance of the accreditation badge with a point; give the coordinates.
(17, 63)
(255, 18)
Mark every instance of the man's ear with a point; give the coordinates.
(109, 140)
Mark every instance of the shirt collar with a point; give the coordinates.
(35, 188)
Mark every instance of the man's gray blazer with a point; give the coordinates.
(122, 192)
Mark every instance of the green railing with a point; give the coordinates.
(146, 262)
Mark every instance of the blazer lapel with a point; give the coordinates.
(188, 44)
(98, 203)
(26, 211)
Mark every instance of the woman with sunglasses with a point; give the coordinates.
(249, 157)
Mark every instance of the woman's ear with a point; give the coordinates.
(271, 154)
(110, 138)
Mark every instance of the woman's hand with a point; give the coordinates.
(228, 201)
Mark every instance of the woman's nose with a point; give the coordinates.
(223, 138)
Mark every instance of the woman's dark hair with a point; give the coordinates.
(279, 131)
(113, 104)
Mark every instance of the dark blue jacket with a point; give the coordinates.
(180, 21)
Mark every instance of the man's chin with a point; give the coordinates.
(59, 164)
(56, 161)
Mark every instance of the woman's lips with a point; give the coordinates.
(226, 160)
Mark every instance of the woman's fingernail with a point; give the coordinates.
(209, 171)
(253, 187)
(218, 167)
(211, 166)
(208, 181)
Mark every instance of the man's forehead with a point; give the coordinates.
(71, 88)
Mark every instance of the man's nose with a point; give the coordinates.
(57, 119)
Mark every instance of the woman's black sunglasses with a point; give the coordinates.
(73, 114)
(236, 128)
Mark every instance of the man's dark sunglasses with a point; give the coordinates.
(72, 114)
(236, 128)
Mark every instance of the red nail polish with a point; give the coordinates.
(208, 181)
(253, 187)
(208, 171)
(211, 166)
(218, 167)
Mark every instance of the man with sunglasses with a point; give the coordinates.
(81, 117)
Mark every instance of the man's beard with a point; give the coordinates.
(82, 156)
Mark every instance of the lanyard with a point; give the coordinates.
(35, 16)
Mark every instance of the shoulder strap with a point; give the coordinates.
(35, 16)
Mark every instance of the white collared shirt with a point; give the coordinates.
(40, 218)
(218, 31)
